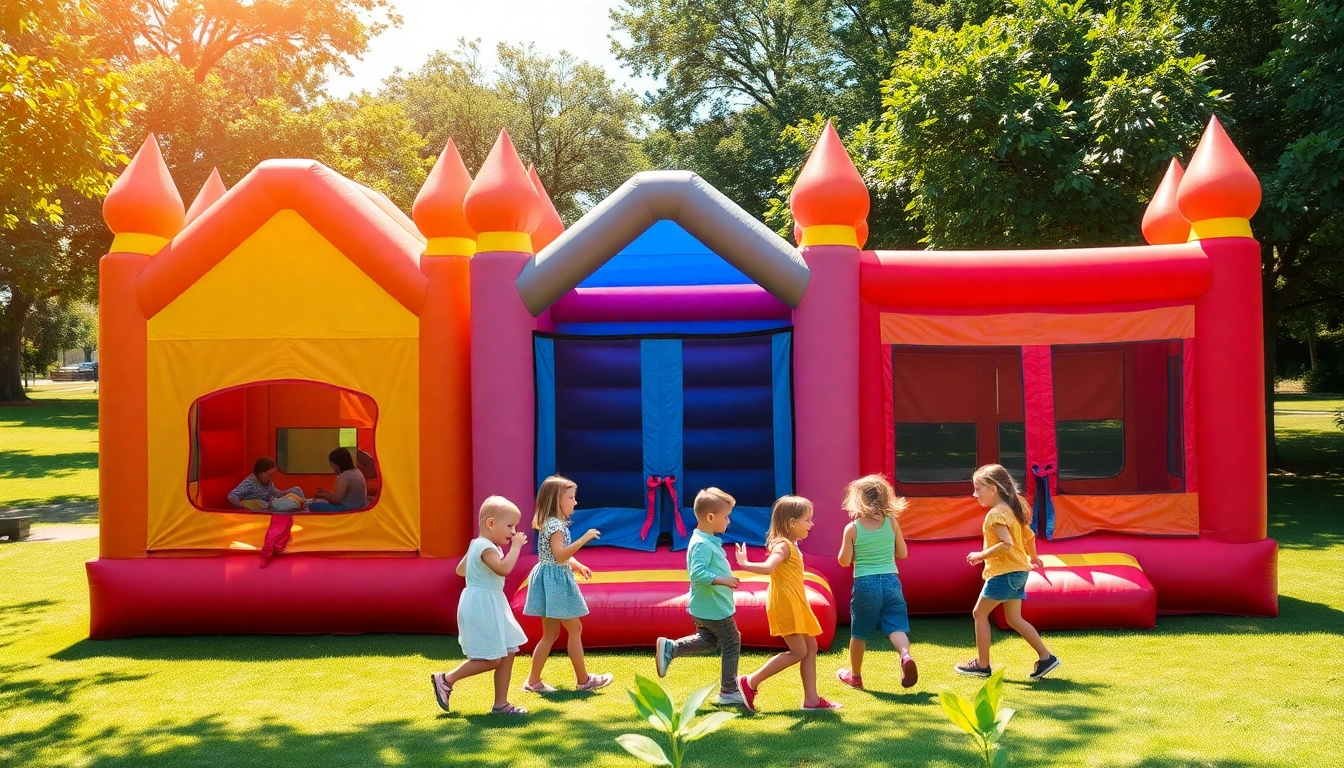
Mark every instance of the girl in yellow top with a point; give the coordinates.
(786, 605)
(1009, 555)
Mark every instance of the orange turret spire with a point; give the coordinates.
(861, 232)
(829, 199)
(551, 225)
(502, 205)
(438, 207)
(1163, 223)
(1220, 192)
(212, 190)
(143, 208)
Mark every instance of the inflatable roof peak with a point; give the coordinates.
(829, 189)
(1218, 184)
(144, 200)
(211, 191)
(551, 225)
(438, 208)
(502, 198)
(1163, 223)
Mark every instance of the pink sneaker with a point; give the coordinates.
(849, 678)
(595, 682)
(442, 690)
(909, 672)
(823, 704)
(748, 693)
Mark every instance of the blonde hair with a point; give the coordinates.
(710, 500)
(496, 506)
(548, 499)
(787, 509)
(873, 497)
(996, 476)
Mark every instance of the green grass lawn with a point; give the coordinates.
(49, 454)
(1198, 691)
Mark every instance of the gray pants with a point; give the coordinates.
(715, 635)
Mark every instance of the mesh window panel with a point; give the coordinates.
(942, 452)
(728, 418)
(1090, 449)
(1013, 450)
(599, 421)
(1175, 422)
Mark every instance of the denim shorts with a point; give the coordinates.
(1006, 586)
(877, 603)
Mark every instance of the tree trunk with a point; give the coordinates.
(1271, 317)
(1311, 345)
(11, 346)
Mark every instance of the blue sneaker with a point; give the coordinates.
(665, 649)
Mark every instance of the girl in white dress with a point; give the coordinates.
(489, 634)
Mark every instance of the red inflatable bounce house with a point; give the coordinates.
(664, 343)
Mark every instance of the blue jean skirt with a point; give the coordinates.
(1006, 586)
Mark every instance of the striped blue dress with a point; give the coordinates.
(552, 592)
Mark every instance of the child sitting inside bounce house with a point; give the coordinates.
(257, 491)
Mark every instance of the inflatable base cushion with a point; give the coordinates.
(1105, 590)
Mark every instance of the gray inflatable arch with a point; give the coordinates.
(679, 196)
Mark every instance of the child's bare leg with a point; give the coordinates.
(983, 607)
(781, 661)
(574, 646)
(808, 670)
(550, 631)
(469, 668)
(503, 673)
(901, 642)
(1012, 610)
(856, 649)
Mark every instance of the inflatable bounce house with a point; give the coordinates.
(664, 343)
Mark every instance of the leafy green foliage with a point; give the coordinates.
(656, 706)
(1047, 126)
(985, 719)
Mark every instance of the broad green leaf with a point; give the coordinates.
(1000, 757)
(644, 709)
(693, 704)
(1005, 715)
(984, 715)
(658, 724)
(994, 689)
(958, 711)
(707, 725)
(643, 748)
(657, 698)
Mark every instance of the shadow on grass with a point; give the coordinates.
(59, 414)
(261, 648)
(16, 618)
(30, 466)
(1304, 511)
(56, 509)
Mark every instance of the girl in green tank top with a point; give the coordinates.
(872, 543)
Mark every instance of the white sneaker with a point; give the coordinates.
(733, 699)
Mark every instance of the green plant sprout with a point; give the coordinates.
(985, 720)
(655, 705)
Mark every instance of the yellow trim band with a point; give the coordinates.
(520, 242)
(133, 242)
(677, 576)
(829, 234)
(1094, 558)
(450, 246)
(1211, 228)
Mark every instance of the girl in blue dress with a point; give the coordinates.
(552, 592)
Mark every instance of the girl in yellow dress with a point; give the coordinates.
(786, 604)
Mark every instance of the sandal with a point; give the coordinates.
(541, 687)
(849, 678)
(442, 690)
(508, 709)
(909, 672)
(595, 682)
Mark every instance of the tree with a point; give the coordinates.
(373, 142)
(565, 116)
(59, 111)
(1283, 63)
(54, 326)
(1049, 126)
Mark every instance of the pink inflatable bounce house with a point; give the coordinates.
(667, 342)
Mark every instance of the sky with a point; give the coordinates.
(578, 26)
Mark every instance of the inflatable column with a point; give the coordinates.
(144, 211)
(829, 202)
(1218, 195)
(446, 508)
(503, 206)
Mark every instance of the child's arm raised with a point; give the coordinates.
(778, 554)
(563, 553)
(504, 565)
(846, 556)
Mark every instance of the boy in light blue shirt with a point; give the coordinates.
(711, 596)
